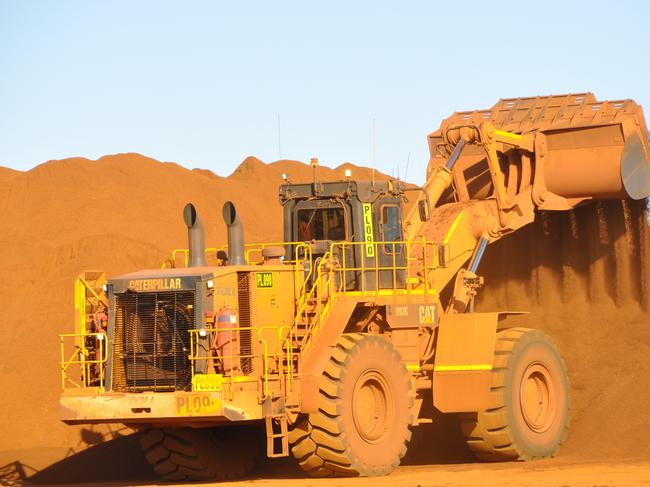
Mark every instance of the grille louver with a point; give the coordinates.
(245, 336)
(151, 341)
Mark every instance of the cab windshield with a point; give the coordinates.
(321, 224)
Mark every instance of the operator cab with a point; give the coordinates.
(360, 222)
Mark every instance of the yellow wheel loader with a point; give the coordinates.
(333, 344)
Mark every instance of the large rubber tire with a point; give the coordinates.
(187, 454)
(528, 415)
(365, 411)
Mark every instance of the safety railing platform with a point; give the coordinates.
(391, 268)
(83, 360)
(217, 363)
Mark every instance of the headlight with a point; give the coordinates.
(203, 332)
(105, 288)
(100, 336)
(210, 284)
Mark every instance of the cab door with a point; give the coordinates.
(325, 225)
(392, 254)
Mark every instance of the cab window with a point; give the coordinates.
(321, 224)
(390, 228)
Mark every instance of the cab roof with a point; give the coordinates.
(366, 191)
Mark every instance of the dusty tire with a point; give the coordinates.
(529, 406)
(187, 454)
(365, 410)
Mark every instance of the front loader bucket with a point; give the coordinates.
(583, 148)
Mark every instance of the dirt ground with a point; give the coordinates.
(543, 474)
(437, 458)
(583, 275)
(118, 463)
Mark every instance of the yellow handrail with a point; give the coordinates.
(323, 277)
(412, 270)
(416, 269)
(250, 249)
(262, 375)
(78, 357)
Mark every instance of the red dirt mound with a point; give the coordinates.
(7, 173)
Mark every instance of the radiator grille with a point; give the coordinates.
(245, 336)
(151, 341)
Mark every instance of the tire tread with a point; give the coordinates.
(183, 454)
(318, 443)
(488, 433)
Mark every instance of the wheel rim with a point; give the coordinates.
(372, 406)
(537, 398)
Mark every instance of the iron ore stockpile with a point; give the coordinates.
(582, 274)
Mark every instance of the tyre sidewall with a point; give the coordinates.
(377, 354)
(535, 348)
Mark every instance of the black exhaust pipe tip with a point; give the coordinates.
(229, 213)
(236, 250)
(189, 215)
(195, 236)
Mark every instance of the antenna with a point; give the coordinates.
(279, 139)
(406, 170)
(372, 151)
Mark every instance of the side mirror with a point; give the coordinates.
(423, 209)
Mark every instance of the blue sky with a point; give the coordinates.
(202, 83)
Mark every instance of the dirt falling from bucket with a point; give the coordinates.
(583, 275)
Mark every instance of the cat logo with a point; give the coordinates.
(427, 314)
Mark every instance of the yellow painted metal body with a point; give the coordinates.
(520, 156)
(290, 324)
(462, 366)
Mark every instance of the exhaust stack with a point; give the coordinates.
(235, 235)
(195, 236)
